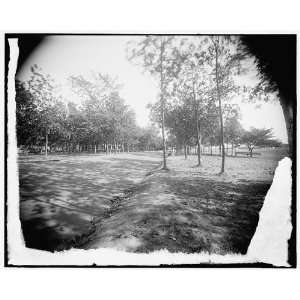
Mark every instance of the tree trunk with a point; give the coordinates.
(179, 148)
(198, 142)
(162, 100)
(227, 146)
(46, 144)
(220, 112)
(197, 125)
(185, 151)
(198, 147)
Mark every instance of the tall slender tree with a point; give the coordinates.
(158, 57)
(193, 80)
(225, 62)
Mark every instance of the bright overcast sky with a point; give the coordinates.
(63, 56)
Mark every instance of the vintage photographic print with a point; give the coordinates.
(150, 150)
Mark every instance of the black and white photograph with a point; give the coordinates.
(151, 149)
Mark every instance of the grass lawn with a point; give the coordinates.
(94, 201)
(61, 196)
(191, 209)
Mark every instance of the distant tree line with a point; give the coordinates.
(102, 122)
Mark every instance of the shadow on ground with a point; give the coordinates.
(208, 216)
(187, 209)
(184, 214)
(59, 198)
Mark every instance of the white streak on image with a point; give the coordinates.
(14, 235)
(270, 241)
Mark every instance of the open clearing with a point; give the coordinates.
(108, 200)
(60, 197)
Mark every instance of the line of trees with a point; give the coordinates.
(102, 122)
(197, 81)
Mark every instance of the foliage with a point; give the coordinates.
(233, 130)
(196, 78)
(49, 106)
(27, 117)
(258, 137)
(103, 120)
(158, 57)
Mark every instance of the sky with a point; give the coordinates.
(64, 56)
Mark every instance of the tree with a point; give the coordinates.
(49, 107)
(233, 131)
(149, 139)
(75, 129)
(157, 56)
(257, 137)
(27, 119)
(180, 122)
(193, 84)
(225, 62)
(101, 120)
(109, 120)
(210, 124)
(120, 118)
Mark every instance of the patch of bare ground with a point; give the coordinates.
(189, 209)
